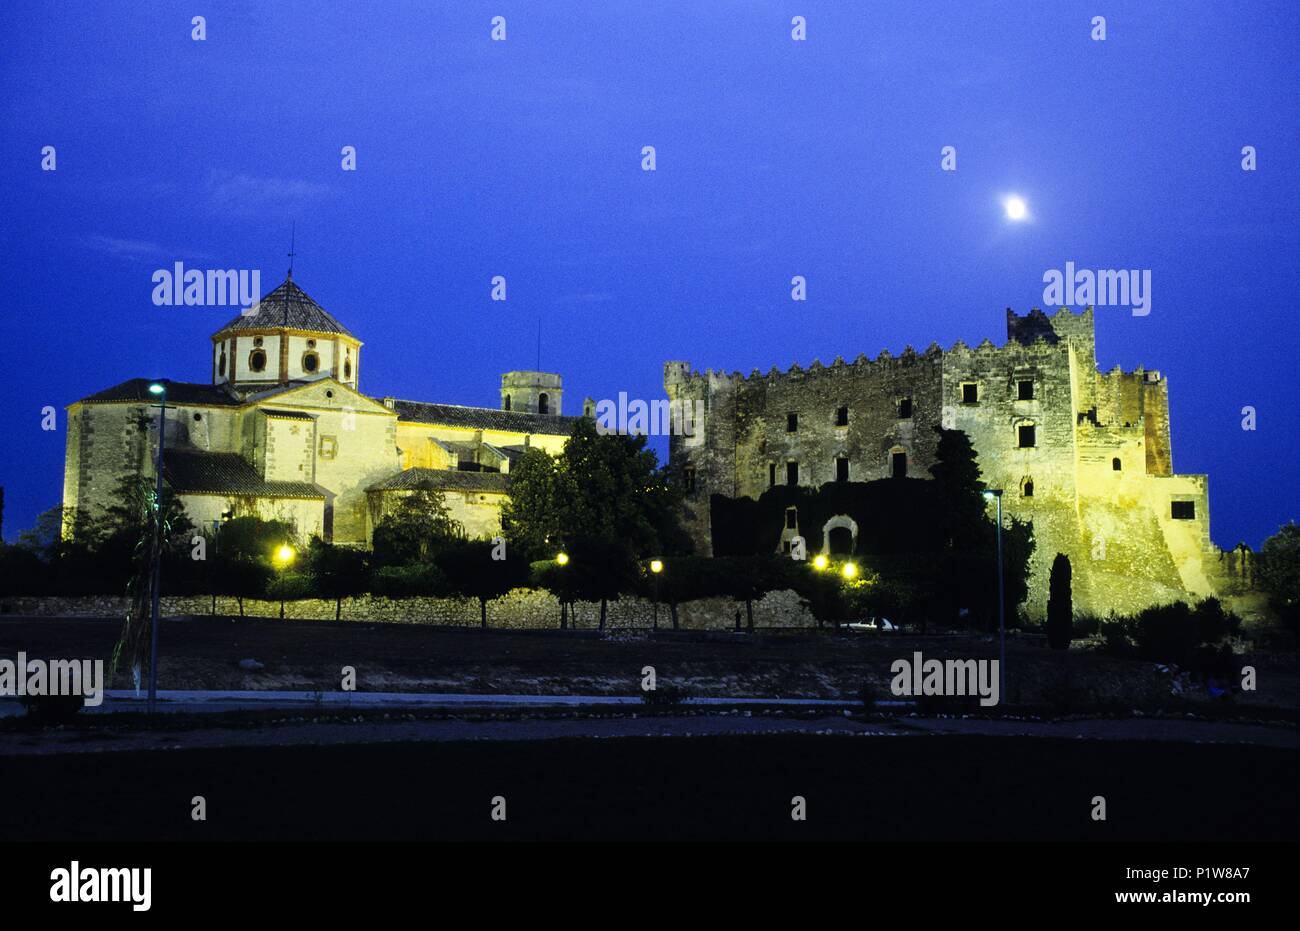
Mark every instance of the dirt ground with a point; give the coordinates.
(310, 655)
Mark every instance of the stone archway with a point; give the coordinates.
(840, 535)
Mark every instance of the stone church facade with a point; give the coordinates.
(283, 431)
(1084, 454)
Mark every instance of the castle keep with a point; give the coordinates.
(1083, 454)
(283, 432)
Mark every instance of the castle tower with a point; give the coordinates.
(533, 392)
(284, 337)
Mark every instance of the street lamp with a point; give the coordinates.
(656, 567)
(820, 561)
(850, 570)
(562, 559)
(160, 390)
(283, 557)
(991, 494)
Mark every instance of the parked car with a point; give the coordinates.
(872, 623)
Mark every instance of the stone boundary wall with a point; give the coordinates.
(523, 608)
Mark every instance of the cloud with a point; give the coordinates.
(121, 248)
(247, 195)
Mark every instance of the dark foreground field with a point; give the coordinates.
(205, 653)
(733, 787)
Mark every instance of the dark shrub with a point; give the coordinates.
(1060, 605)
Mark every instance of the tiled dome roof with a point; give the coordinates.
(287, 306)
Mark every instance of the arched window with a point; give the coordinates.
(221, 364)
(1027, 487)
(505, 404)
(543, 404)
(310, 362)
(1116, 464)
(347, 364)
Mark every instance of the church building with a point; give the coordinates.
(284, 432)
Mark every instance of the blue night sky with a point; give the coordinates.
(775, 158)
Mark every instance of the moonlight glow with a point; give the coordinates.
(1015, 207)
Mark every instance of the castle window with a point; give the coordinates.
(1025, 435)
(771, 474)
(257, 360)
(1027, 488)
(310, 361)
(1025, 390)
(898, 465)
(505, 404)
(792, 518)
(1182, 510)
(1116, 464)
(792, 473)
(841, 417)
(543, 404)
(792, 422)
(688, 478)
(970, 392)
(841, 469)
(904, 408)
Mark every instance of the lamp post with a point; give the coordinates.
(656, 567)
(996, 494)
(283, 559)
(562, 560)
(159, 389)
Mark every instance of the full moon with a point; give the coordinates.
(1015, 208)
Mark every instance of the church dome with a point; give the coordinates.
(288, 307)
(284, 338)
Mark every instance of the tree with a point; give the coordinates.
(241, 565)
(1060, 606)
(1277, 572)
(530, 516)
(337, 572)
(601, 487)
(600, 569)
(471, 570)
(416, 529)
(956, 474)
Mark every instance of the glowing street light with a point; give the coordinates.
(284, 555)
(820, 561)
(656, 567)
(562, 559)
(849, 571)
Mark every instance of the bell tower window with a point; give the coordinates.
(257, 360)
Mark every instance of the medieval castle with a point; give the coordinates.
(1083, 454)
(283, 431)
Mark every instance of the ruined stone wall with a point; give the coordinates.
(523, 608)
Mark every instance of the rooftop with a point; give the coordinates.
(444, 479)
(200, 472)
(287, 306)
(482, 418)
